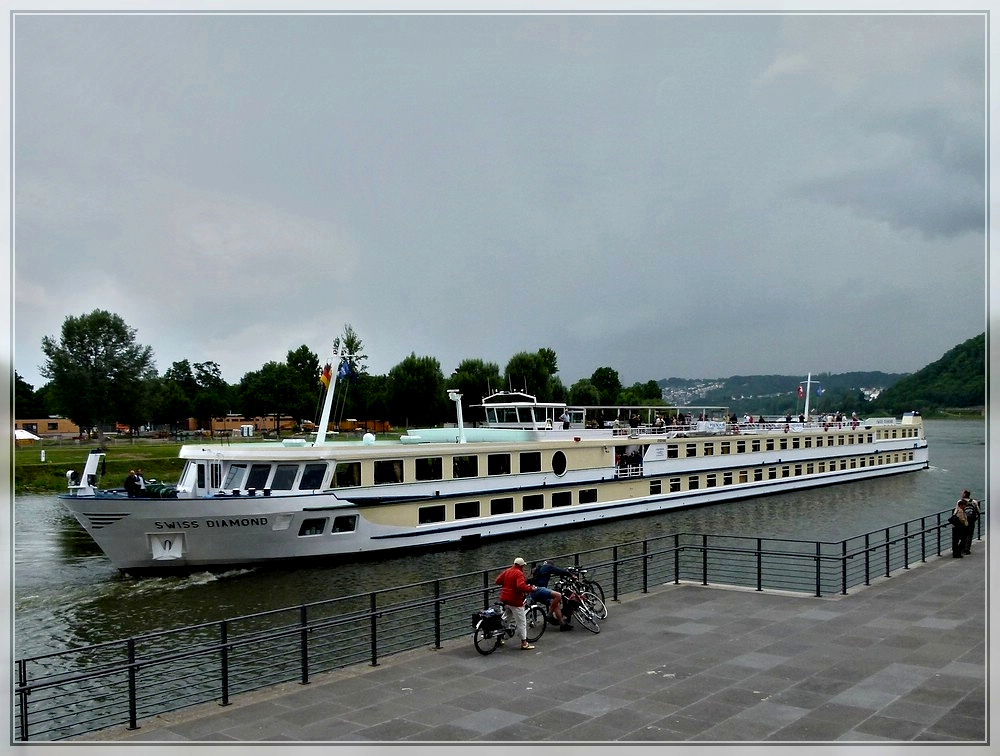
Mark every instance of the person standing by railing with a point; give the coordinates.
(971, 508)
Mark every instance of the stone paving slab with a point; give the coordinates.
(683, 663)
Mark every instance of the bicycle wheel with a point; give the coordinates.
(595, 604)
(594, 587)
(534, 619)
(486, 641)
(585, 616)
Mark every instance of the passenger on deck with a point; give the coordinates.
(131, 484)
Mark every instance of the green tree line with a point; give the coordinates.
(98, 375)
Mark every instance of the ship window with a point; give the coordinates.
(744, 476)
(709, 449)
(312, 476)
(201, 475)
(589, 495)
(798, 470)
(819, 441)
(558, 465)
(741, 447)
(388, 471)
(234, 476)
(284, 476)
(758, 474)
(540, 415)
(783, 443)
(562, 499)
(843, 464)
(769, 444)
(671, 451)
(727, 479)
(795, 442)
(809, 469)
(465, 466)
(428, 468)
(755, 445)
(313, 526)
(772, 473)
(692, 450)
(427, 515)
(675, 485)
(692, 482)
(654, 487)
(345, 524)
(347, 474)
(532, 501)
(724, 447)
(710, 481)
(531, 462)
(215, 474)
(258, 476)
(501, 506)
(498, 464)
(785, 471)
(466, 509)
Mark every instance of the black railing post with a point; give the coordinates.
(939, 534)
(760, 565)
(868, 560)
(704, 559)
(374, 628)
(614, 573)
(132, 713)
(843, 567)
(645, 566)
(819, 571)
(437, 614)
(888, 547)
(224, 644)
(677, 558)
(304, 643)
(22, 697)
(923, 539)
(906, 545)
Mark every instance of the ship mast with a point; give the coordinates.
(324, 420)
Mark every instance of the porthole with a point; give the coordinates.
(559, 463)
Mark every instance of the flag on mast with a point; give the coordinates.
(326, 375)
(802, 391)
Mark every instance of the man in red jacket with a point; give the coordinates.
(513, 589)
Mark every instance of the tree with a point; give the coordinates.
(27, 402)
(475, 379)
(303, 365)
(270, 390)
(584, 393)
(169, 403)
(416, 392)
(607, 382)
(96, 369)
(214, 397)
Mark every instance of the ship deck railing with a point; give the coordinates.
(68, 693)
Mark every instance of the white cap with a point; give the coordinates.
(519, 562)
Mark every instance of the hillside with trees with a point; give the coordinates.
(956, 381)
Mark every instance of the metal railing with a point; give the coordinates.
(69, 693)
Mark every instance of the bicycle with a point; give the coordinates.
(577, 605)
(590, 590)
(491, 628)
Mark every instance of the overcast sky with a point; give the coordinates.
(666, 195)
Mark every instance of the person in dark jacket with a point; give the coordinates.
(545, 595)
(971, 508)
(513, 589)
(132, 484)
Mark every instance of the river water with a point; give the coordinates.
(66, 594)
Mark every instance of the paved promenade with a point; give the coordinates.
(902, 660)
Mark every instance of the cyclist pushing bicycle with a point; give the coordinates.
(546, 596)
(513, 589)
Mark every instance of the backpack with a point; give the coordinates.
(970, 513)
